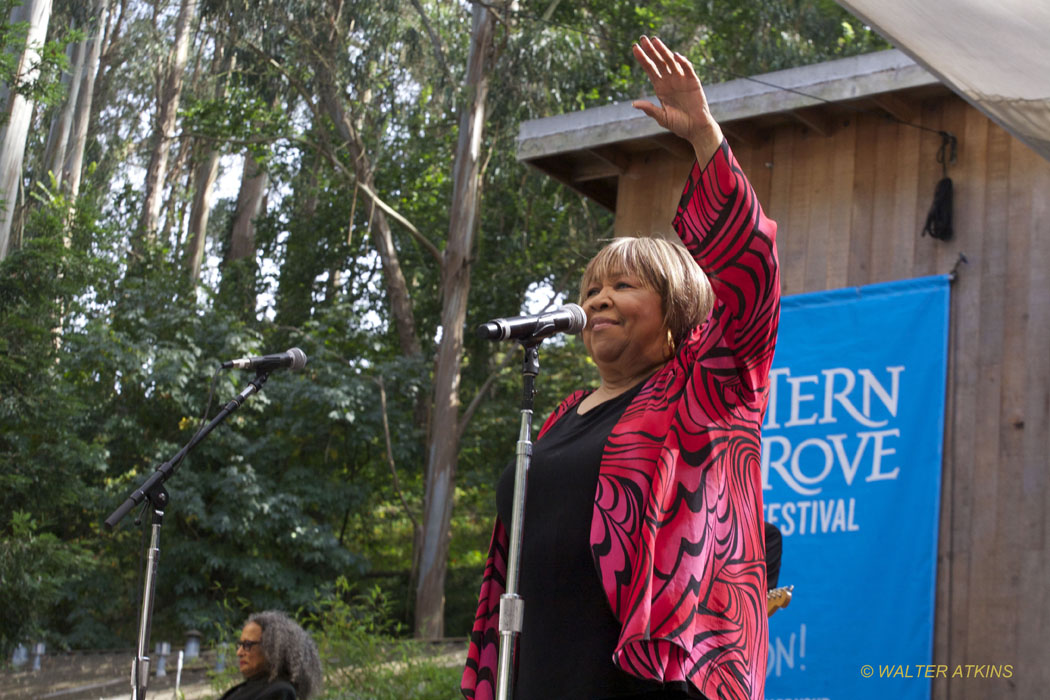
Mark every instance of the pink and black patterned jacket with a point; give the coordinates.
(677, 533)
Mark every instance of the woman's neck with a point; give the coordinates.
(615, 383)
(613, 386)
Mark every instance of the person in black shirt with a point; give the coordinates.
(643, 560)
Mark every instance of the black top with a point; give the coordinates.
(569, 630)
(774, 545)
(261, 688)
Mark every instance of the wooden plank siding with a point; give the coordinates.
(850, 207)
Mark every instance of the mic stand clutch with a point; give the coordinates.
(153, 490)
(512, 606)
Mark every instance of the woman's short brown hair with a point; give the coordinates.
(664, 267)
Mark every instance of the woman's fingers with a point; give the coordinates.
(654, 60)
(661, 64)
(665, 56)
(646, 62)
(687, 67)
(650, 110)
(652, 57)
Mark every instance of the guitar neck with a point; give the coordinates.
(778, 598)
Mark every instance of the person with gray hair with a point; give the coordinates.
(278, 659)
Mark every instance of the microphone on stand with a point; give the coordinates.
(568, 319)
(293, 359)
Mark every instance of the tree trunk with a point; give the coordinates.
(18, 114)
(295, 289)
(382, 236)
(74, 162)
(164, 125)
(204, 176)
(62, 124)
(455, 287)
(250, 202)
(176, 184)
(237, 286)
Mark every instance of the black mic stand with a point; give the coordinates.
(512, 606)
(153, 490)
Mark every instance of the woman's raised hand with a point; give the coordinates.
(683, 108)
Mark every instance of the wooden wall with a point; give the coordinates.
(850, 208)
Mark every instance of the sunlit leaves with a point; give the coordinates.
(106, 361)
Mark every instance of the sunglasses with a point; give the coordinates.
(247, 644)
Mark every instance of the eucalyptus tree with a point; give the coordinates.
(206, 159)
(443, 440)
(355, 67)
(73, 164)
(398, 217)
(62, 120)
(17, 100)
(63, 158)
(168, 96)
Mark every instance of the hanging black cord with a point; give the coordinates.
(211, 393)
(939, 219)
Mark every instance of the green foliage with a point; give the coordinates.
(725, 39)
(51, 457)
(239, 116)
(46, 88)
(364, 658)
(107, 361)
(252, 507)
(36, 571)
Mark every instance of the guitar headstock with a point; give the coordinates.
(778, 598)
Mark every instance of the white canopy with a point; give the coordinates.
(993, 53)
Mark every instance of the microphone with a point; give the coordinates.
(293, 359)
(568, 319)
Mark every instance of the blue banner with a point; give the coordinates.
(851, 469)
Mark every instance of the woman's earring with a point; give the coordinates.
(670, 342)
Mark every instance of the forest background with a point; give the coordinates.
(189, 181)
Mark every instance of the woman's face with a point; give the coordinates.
(250, 657)
(625, 333)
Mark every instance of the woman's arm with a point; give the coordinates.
(719, 218)
(722, 224)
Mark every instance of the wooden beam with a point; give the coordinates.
(606, 161)
(815, 118)
(595, 170)
(612, 156)
(744, 133)
(598, 190)
(897, 106)
(677, 147)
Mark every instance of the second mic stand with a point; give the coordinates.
(512, 606)
(153, 490)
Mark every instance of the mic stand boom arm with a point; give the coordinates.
(153, 490)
